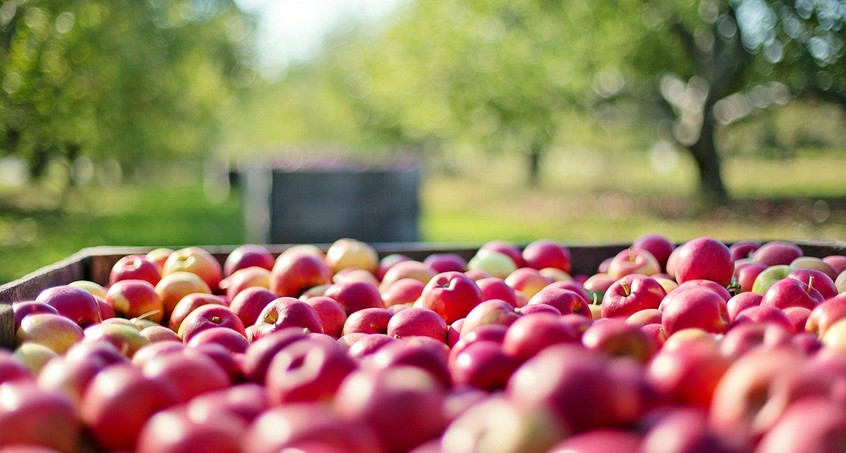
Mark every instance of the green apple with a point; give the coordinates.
(769, 276)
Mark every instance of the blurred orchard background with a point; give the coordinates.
(122, 122)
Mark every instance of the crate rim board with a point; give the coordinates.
(94, 263)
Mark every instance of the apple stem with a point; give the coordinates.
(810, 283)
(626, 288)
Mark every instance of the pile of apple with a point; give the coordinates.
(697, 348)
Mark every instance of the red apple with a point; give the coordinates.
(245, 278)
(743, 249)
(388, 261)
(417, 321)
(507, 248)
(688, 373)
(307, 371)
(420, 352)
(790, 292)
(633, 261)
(599, 441)
(826, 314)
(119, 401)
(155, 334)
(249, 303)
(528, 335)
(816, 279)
(208, 317)
(188, 372)
(483, 365)
(331, 313)
(777, 252)
(245, 401)
(812, 262)
(30, 307)
(368, 344)
(811, 424)
(741, 302)
(527, 280)
(173, 287)
(694, 307)
(572, 286)
(295, 273)
(683, 429)
(408, 269)
(659, 246)
(38, 418)
(706, 284)
(747, 336)
(74, 303)
(135, 298)
(179, 429)
(565, 300)
(402, 291)
(619, 338)
(403, 405)
(230, 339)
(596, 285)
(765, 314)
(446, 262)
(367, 320)
(190, 303)
(350, 253)
(286, 312)
(747, 275)
(703, 258)
(451, 294)
(489, 312)
(135, 267)
(197, 261)
(798, 316)
(630, 294)
(496, 288)
(837, 262)
(543, 253)
(245, 256)
(126, 337)
(645, 317)
(158, 256)
(355, 295)
(262, 350)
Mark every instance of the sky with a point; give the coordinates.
(291, 30)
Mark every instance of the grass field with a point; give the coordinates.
(584, 199)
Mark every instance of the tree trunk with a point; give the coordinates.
(534, 161)
(707, 160)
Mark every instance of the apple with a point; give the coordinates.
(51, 330)
(294, 273)
(355, 295)
(790, 292)
(557, 275)
(37, 418)
(577, 385)
(353, 274)
(494, 333)
(248, 255)
(33, 356)
(489, 312)
(816, 279)
(118, 402)
(682, 429)
(694, 307)
(135, 267)
(417, 321)
(703, 258)
(188, 304)
(834, 337)
(769, 276)
(494, 264)
(826, 314)
(497, 424)
(706, 284)
(402, 405)
(388, 261)
(173, 287)
(155, 334)
(367, 320)
(798, 316)
(527, 280)
(689, 372)
(249, 303)
(402, 291)
(331, 313)
(483, 365)
(538, 308)
(748, 274)
(135, 298)
(13, 370)
(420, 352)
(307, 371)
(645, 317)
(811, 424)
(364, 345)
(74, 303)
(741, 302)
(530, 334)
(633, 261)
(94, 288)
(230, 339)
(188, 372)
(497, 288)
(151, 350)
(543, 253)
(314, 427)
(777, 253)
(630, 294)
(445, 262)
(565, 300)
(245, 278)
(812, 262)
(508, 248)
(179, 429)
(196, 261)
(747, 336)
(451, 294)
(26, 308)
(262, 350)
(837, 262)
(208, 317)
(245, 400)
(596, 285)
(619, 338)
(416, 270)
(158, 256)
(743, 249)
(351, 253)
(572, 286)
(658, 245)
(766, 314)
(286, 312)
(126, 338)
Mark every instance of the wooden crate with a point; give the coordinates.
(95, 264)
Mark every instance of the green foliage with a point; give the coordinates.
(126, 80)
